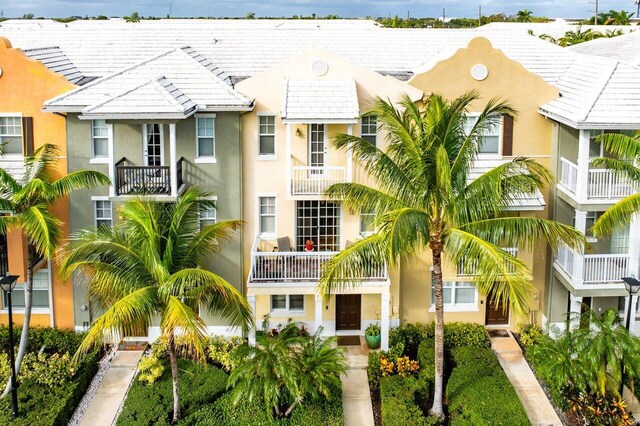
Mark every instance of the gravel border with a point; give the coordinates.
(104, 365)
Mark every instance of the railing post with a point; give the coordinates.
(385, 299)
(579, 259)
(251, 298)
(582, 178)
(173, 160)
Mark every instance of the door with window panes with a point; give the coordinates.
(317, 149)
(153, 145)
(318, 221)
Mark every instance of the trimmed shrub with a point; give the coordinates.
(530, 334)
(220, 350)
(399, 408)
(373, 369)
(463, 334)
(51, 340)
(152, 405)
(456, 334)
(479, 393)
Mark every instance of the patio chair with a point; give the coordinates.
(284, 244)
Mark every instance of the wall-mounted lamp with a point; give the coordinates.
(298, 132)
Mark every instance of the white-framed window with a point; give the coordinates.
(11, 135)
(596, 149)
(205, 136)
(490, 141)
(103, 213)
(367, 218)
(40, 294)
(369, 128)
(287, 304)
(99, 139)
(267, 213)
(457, 295)
(266, 135)
(207, 215)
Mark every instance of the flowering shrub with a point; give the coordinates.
(48, 370)
(220, 350)
(386, 367)
(150, 369)
(406, 366)
(529, 334)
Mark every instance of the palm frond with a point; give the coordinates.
(73, 181)
(41, 228)
(620, 145)
(623, 167)
(180, 319)
(210, 239)
(618, 216)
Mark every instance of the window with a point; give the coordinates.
(457, 295)
(267, 215)
(489, 142)
(369, 129)
(205, 137)
(367, 218)
(207, 215)
(595, 149)
(288, 304)
(103, 213)
(11, 135)
(99, 139)
(267, 135)
(591, 219)
(40, 294)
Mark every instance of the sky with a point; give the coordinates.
(344, 8)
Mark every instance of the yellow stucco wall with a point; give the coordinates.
(25, 85)
(532, 137)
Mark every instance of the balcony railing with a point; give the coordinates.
(140, 180)
(602, 184)
(307, 180)
(596, 268)
(293, 266)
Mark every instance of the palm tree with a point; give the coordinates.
(618, 18)
(149, 265)
(578, 36)
(424, 200)
(626, 150)
(30, 199)
(524, 16)
(282, 372)
(133, 18)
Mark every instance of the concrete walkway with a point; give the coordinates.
(356, 399)
(104, 406)
(535, 401)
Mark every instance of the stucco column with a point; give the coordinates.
(384, 321)
(173, 167)
(112, 161)
(252, 332)
(287, 172)
(634, 246)
(583, 165)
(318, 312)
(575, 307)
(578, 259)
(349, 156)
(634, 306)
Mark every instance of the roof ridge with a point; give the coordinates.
(163, 90)
(123, 93)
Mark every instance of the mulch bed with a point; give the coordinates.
(375, 402)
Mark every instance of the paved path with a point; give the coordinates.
(534, 400)
(104, 406)
(356, 399)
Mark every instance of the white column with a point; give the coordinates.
(575, 307)
(578, 259)
(634, 308)
(634, 246)
(112, 161)
(288, 159)
(318, 312)
(384, 321)
(173, 167)
(252, 333)
(583, 165)
(349, 156)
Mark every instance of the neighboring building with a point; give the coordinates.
(24, 86)
(156, 127)
(625, 48)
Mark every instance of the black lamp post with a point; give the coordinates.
(632, 284)
(8, 283)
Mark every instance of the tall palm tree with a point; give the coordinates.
(149, 265)
(30, 199)
(425, 200)
(578, 36)
(524, 16)
(626, 150)
(618, 17)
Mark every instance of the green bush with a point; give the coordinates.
(223, 412)
(373, 369)
(456, 334)
(479, 393)
(530, 334)
(398, 402)
(152, 405)
(220, 350)
(52, 340)
(427, 374)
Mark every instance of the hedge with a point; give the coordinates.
(479, 393)
(153, 405)
(456, 334)
(223, 412)
(50, 340)
(398, 402)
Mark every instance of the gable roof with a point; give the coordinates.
(320, 100)
(56, 61)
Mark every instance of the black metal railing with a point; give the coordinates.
(179, 171)
(134, 180)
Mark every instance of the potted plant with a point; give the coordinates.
(308, 245)
(372, 336)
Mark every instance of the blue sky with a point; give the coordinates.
(354, 8)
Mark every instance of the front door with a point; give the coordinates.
(348, 308)
(497, 312)
(317, 149)
(153, 144)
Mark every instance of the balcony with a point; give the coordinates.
(601, 185)
(145, 180)
(592, 269)
(293, 267)
(308, 180)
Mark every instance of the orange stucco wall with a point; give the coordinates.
(25, 84)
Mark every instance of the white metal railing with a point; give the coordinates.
(294, 266)
(472, 265)
(568, 174)
(565, 259)
(308, 180)
(596, 268)
(607, 183)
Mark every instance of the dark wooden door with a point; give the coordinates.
(497, 313)
(348, 308)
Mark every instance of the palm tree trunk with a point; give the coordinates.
(24, 336)
(174, 377)
(436, 409)
(290, 409)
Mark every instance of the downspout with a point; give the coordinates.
(52, 319)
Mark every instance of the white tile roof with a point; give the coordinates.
(56, 61)
(183, 71)
(625, 48)
(319, 100)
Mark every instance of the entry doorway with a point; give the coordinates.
(348, 311)
(497, 312)
(153, 145)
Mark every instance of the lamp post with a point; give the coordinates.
(632, 284)
(8, 283)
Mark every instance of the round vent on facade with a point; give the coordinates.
(319, 67)
(479, 72)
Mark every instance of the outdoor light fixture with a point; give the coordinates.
(632, 284)
(8, 283)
